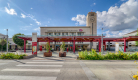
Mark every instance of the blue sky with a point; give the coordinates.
(26, 16)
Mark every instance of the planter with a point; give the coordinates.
(62, 54)
(47, 54)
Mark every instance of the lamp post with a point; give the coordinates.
(102, 42)
(7, 40)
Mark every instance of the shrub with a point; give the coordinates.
(92, 55)
(12, 56)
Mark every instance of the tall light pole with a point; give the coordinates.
(7, 40)
(102, 41)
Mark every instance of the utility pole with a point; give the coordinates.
(7, 40)
(102, 42)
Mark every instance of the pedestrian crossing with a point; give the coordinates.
(32, 70)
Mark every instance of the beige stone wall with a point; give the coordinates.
(92, 18)
(86, 29)
(44, 30)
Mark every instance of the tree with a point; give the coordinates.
(62, 47)
(18, 41)
(3, 44)
(47, 47)
(136, 42)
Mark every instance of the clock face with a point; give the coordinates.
(92, 19)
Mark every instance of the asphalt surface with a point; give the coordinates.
(66, 68)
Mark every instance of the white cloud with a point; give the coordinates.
(10, 11)
(23, 16)
(48, 22)
(37, 29)
(80, 19)
(45, 25)
(8, 5)
(31, 8)
(94, 3)
(117, 33)
(32, 17)
(38, 23)
(119, 18)
(31, 24)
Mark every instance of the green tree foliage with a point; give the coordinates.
(47, 47)
(62, 47)
(3, 44)
(18, 41)
(136, 42)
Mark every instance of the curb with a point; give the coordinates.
(30, 56)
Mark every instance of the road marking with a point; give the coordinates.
(42, 65)
(46, 70)
(46, 62)
(3, 63)
(26, 78)
(88, 72)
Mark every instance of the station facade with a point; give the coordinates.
(89, 29)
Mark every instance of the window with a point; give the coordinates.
(63, 34)
(82, 33)
(110, 43)
(122, 43)
(49, 33)
(79, 34)
(57, 33)
(29, 43)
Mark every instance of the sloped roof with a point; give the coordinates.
(131, 32)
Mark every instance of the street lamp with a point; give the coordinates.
(102, 41)
(7, 40)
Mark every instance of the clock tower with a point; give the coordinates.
(91, 20)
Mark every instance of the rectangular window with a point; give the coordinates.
(63, 34)
(49, 33)
(82, 33)
(57, 33)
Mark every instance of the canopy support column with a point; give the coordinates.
(104, 43)
(125, 45)
(24, 46)
(49, 44)
(55, 46)
(74, 45)
(108, 45)
(37, 46)
(99, 45)
(90, 45)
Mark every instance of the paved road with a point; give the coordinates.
(67, 68)
(42, 68)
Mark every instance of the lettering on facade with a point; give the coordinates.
(62, 31)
